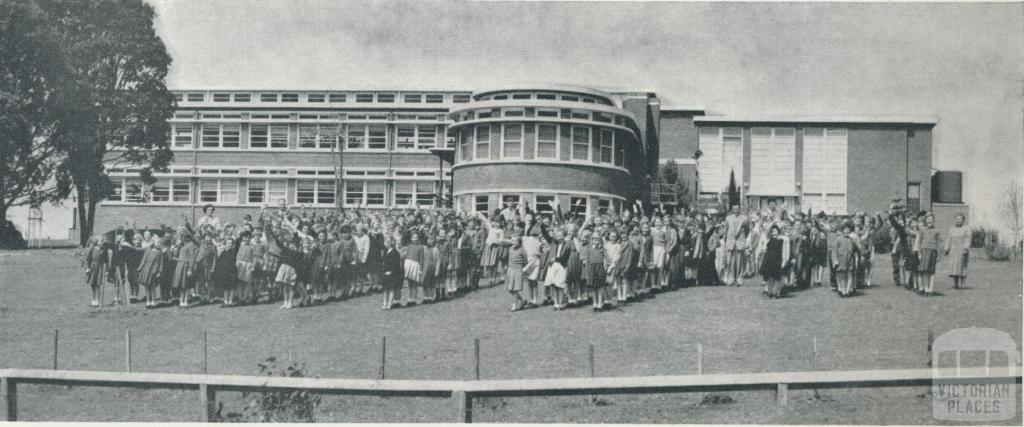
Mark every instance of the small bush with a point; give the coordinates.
(981, 237)
(998, 253)
(293, 406)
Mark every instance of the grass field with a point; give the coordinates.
(884, 327)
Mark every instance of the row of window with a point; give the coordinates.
(773, 159)
(543, 204)
(587, 144)
(373, 137)
(375, 116)
(317, 192)
(546, 96)
(362, 97)
(531, 112)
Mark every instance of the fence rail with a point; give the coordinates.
(462, 393)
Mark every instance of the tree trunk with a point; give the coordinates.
(84, 232)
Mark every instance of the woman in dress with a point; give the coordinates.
(958, 244)
(929, 240)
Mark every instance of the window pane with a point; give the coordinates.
(375, 193)
(279, 137)
(161, 191)
(325, 192)
(229, 191)
(307, 136)
(357, 137)
(545, 204)
(256, 191)
(181, 190)
(580, 143)
(483, 142)
(208, 190)
(406, 137)
(211, 136)
(304, 192)
(258, 136)
(354, 192)
(426, 137)
(378, 138)
(231, 136)
(480, 203)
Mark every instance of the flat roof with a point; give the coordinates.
(921, 120)
(687, 109)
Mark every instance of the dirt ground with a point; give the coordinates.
(885, 327)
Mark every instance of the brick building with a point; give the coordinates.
(574, 148)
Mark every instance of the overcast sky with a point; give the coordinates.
(961, 63)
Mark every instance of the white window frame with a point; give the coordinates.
(477, 143)
(220, 136)
(486, 202)
(557, 141)
(553, 206)
(610, 146)
(268, 193)
(176, 136)
(520, 141)
(318, 184)
(572, 140)
(219, 191)
(320, 141)
(172, 192)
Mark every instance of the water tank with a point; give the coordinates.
(947, 187)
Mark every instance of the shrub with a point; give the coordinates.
(998, 253)
(292, 406)
(978, 237)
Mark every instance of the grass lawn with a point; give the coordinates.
(885, 327)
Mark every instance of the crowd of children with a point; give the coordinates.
(303, 257)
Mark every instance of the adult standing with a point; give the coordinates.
(958, 244)
(734, 223)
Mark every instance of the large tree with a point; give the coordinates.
(116, 100)
(29, 69)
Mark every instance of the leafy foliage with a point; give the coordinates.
(30, 71)
(291, 406)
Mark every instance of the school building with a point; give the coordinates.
(570, 148)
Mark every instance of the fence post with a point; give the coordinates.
(463, 405)
(700, 359)
(56, 334)
(127, 350)
(208, 400)
(476, 356)
(781, 394)
(10, 390)
(204, 352)
(383, 356)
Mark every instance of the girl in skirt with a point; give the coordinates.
(96, 260)
(612, 256)
(575, 271)
(594, 273)
(453, 259)
(958, 244)
(514, 276)
(245, 266)
(645, 260)
(225, 274)
(185, 268)
(660, 238)
(556, 275)
(322, 265)
(844, 260)
(415, 262)
(392, 272)
(929, 240)
(150, 268)
(773, 265)
(431, 267)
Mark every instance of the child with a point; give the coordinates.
(773, 266)
(844, 260)
(391, 272)
(928, 242)
(556, 274)
(594, 273)
(150, 268)
(185, 267)
(244, 266)
(415, 261)
(612, 256)
(514, 274)
(431, 267)
(96, 260)
(225, 275)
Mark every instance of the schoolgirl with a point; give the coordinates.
(775, 262)
(929, 240)
(431, 267)
(414, 264)
(514, 277)
(185, 260)
(392, 272)
(244, 265)
(659, 236)
(96, 261)
(151, 265)
(844, 260)
(556, 275)
(595, 273)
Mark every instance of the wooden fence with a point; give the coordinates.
(462, 393)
